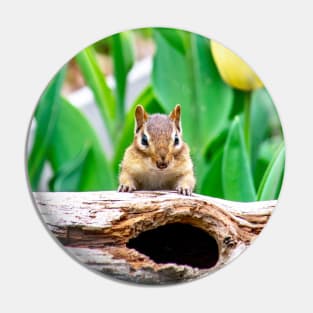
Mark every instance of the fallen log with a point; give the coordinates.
(152, 237)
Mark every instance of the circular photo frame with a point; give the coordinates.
(155, 156)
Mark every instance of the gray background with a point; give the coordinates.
(275, 273)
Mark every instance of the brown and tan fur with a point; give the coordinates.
(161, 163)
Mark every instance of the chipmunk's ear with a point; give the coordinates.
(175, 116)
(141, 117)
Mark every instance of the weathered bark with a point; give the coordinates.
(96, 226)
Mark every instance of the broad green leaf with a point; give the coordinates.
(95, 79)
(238, 103)
(236, 170)
(72, 135)
(148, 101)
(271, 182)
(45, 115)
(267, 150)
(192, 80)
(200, 166)
(70, 174)
(175, 38)
(212, 183)
(217, 143)
(210, 162)
(274, 121)
(260, 127)
(123, 59)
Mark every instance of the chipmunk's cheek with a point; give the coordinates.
(152, 163)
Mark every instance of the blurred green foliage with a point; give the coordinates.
(214, 118)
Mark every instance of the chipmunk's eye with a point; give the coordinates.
(176, 140)
(144, 140)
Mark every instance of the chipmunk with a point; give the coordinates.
(158, 158)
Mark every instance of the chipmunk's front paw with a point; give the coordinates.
(126, 188)
(187, 191)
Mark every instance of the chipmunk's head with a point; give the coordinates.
(158, 136)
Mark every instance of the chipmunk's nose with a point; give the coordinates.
(162, 164)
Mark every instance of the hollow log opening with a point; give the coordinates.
(178, 243)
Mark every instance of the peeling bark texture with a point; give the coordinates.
(95, 227)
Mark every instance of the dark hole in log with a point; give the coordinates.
(178, 243)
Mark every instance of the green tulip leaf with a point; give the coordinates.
(46, 115)
(217, 143)
(260, 118)
(212, 184)
(236, 170)
(72, 138)
(267, 151)
(192, 80)
(95, 79)
(175, 38)
(123, 59)
(271, 182)
(70, 175)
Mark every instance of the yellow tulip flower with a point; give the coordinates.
(233, 69)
